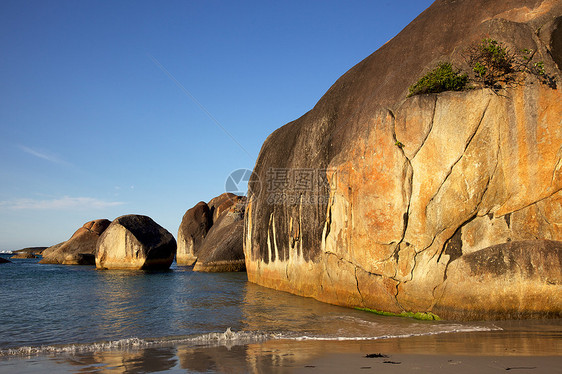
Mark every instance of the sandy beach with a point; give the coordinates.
(479, 352)
(513, 350)
(408, 363)
(448, 353)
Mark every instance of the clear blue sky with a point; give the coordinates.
(92, 126)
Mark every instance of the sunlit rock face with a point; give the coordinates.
(135, 242)
(449, 203)
(80, 249)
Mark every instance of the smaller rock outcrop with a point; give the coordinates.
(80, 248)
(24, 255)
(4, 260)
(222, 250)
(194, 226)
(211, 235)
(135, 242)
(222, 203)
(37, 251)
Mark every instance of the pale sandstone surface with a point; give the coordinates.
(135, 242)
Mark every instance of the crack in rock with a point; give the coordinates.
(471, 137)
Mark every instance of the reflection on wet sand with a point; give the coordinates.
(284, 356)
(129, 361)
(215, 359)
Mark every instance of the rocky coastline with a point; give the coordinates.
(446, 204)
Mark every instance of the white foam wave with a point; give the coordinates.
(227, 338)
(429, 333)
(230, 336)
(75, 348)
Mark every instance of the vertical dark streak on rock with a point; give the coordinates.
(410, 182)
(411, 271)
(453, 246)
(328, 222)
(358, 290)
(507, 219)
(396, 292)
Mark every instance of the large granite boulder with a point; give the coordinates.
(194, 226)
(376, 200)
(211, 234)
(80, 248)
(135, 242)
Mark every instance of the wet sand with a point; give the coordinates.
(532, 351)
(479, 352)
(488, 352)
(436, 364)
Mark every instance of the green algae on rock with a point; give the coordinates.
(423, 316)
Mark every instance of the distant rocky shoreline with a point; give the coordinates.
(210, 239)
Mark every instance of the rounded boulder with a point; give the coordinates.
(135, 242)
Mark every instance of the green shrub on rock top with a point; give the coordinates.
(495, 65)
(491, 64)
(442, 78)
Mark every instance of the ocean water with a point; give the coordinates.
(50, 311)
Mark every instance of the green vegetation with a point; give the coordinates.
(442, 78)
(399, 144)
(428, 316)
(491, 64)
(494, 65)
